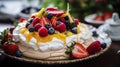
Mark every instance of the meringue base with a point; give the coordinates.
(48, 55)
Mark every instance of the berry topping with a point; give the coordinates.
(18, 53)
(58, 23)
(49, 15)
(35, 21)
(31, 20)
(79, 51)
(94, 47)
(52, 9)
(31, 29)
(73, 25)
(10, 48)
(21, 19)
(76, 21)
(27, 24)
(11, 29)
(51, 30)
(33, 16)
(61, 27)
(103, 45)
(42, 31)
(56, 13)
(74, 30)
(47, 26)
(94, 33)
(9, 35)
(66, 18)
(37, 26)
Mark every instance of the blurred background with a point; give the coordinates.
(13, 9)
(93, 12)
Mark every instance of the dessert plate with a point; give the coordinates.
(90, 20)
(102, 37)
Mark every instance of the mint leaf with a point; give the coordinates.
(15, 24)
(6, 31)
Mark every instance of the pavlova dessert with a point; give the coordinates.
(50, 34)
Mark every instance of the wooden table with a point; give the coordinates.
(108, 59)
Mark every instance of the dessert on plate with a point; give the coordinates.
(51, 34)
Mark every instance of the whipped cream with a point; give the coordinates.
(55, 44)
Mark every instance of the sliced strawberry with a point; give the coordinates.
(107, 15)
(21, 19)
(53, 22)
(33, 16)
(35, 21)
(79, 51)
(56, 13)
(94, 47)
(99, 18)
(51, 9)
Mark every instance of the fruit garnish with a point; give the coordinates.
(51, 9)
(9, 35)
(76, 21)
(74, 30)
(61, 27)
(31, 29)
(42, 31)
(37, 26)
(40, 13)
(94, 33)
(30, 20)
(49, 15)
(21, 19)
(99, 18)
(56, 13)
(32, 16)
(103, 45)
(51, 30)
(35, 21)
(10, 48)
(107, 15)
(18, 53)
(94, 47)
(11, 29)
(79, 51)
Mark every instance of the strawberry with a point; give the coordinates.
(94, 47)
(107, 15)
(11, 29)
(56, 13)
(99, 18)
(21, 19)
(51, 9)
(61, 27)
(9, 35)
(79, 51)
(33, 16)
(35, 21)
(42, 31)
(10, 48)
(76, 21)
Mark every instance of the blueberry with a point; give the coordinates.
(18, 53)
(58, 22)
(94, 33)
(67, 23)
(2, 57)
(103, 45)
(51, 30)
(73, 25)
(31, 20)
(66, 18)
(49, 16)
(31, 29)
(47, 26)
(27, 24)
(74, 30)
